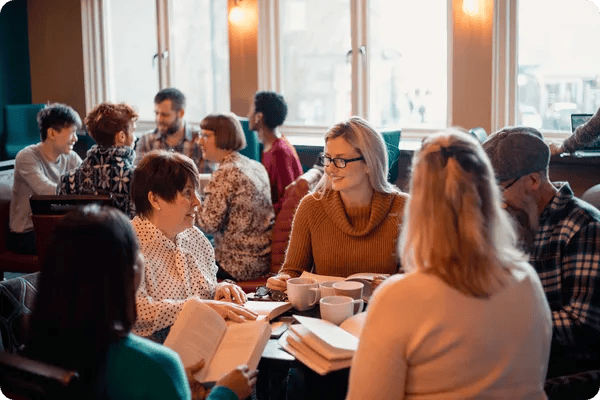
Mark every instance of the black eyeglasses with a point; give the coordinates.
(503, 188)
(265, 293)
(338, 162)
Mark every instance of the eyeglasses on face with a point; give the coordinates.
(262, 292)
(206, 134)
(338, 162)
(505, 187)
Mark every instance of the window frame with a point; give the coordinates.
(270, 67)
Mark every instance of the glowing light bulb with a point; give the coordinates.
(236, 14)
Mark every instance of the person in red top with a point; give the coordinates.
(268, 111)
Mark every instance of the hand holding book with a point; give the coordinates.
(240, 380)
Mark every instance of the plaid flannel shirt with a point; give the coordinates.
(566, 255)
(154, 140)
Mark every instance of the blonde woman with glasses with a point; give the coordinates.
(351, 222)
(469, 319)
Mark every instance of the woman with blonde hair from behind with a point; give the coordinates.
(469, 319)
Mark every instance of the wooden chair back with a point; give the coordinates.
(25, 378)
(48, 210)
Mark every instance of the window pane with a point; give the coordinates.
(558, 62)
(315, 37)
(408, 50)
(131, 44)
(200, 55)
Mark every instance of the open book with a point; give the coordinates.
(201, 333)
(364, 277)
(268, 310)
(321, 345)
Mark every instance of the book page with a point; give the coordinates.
(364, 276)
(354, 324)
(321, 278)
(329, 333)
(294, 345)
(243, 343)
(319, 346)
(269, 309)
(196, 333)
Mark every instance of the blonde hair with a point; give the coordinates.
(454, 226)
(369, 143)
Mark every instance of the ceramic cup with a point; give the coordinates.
(349, 288)
(326, 289)
(303, 293)
(336, 309)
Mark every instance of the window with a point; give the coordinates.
(557, 62)
(136, 47)
(374, 58)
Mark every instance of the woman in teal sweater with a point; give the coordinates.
(86, 308)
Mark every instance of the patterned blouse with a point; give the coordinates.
(105, 170)
(173, 273)
(237, 211)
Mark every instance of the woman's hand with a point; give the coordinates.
(231, 311)
(198, 390)
(227, 291)
(278, 282)
(241, 381)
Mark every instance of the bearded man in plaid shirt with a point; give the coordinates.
(561, 233)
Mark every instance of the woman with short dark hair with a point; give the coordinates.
(108, 165)
(86, 309)
(180, 261)
(237, 208)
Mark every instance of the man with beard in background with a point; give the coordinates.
(562, 235)
(172, 132)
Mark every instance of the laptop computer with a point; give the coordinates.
(580, 119)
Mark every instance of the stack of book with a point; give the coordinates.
(321, 345)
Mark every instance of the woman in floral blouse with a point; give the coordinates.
(108, 166)
(237, 208)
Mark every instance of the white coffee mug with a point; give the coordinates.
(336, 309)
(349, 288)
(326, 289)
(303, 293)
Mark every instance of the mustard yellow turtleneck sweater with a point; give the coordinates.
(342, 242)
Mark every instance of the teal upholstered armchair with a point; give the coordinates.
(392, 139)
(20, 128)
(253, 146)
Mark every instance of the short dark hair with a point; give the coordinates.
(177, 98)
(229, 134)
(164, 173)
(57, 116)
(86, 296)
(273, 108)
(107, 119)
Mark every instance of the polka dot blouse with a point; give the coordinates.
(173, 273)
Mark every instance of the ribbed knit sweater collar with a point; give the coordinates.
(358, 221)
